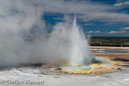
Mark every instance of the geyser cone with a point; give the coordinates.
(80, 51)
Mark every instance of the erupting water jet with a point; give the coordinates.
(81, 55)
(80, 51)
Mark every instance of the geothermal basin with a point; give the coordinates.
(106, 62)
(82, 60)
(103, 65)
(113, 70)
(80, 65)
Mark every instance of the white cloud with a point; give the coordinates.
(88, 10)
(93, 32)
(17, 18)
(126, 28)
(116, 32)
(122, 4)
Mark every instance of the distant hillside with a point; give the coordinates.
(110, 41)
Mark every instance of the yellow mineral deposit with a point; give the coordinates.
(107, 66)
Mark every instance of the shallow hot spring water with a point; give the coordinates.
(104, 65)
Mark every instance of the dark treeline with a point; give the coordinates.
(110, 41)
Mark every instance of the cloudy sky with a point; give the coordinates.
(97, 17)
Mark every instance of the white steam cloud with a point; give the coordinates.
(17, 18)
(23, 37)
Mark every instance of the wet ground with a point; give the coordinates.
(110, 51)
(123, 50)
(29, 76)
(50, 74)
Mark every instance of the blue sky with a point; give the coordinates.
(96, 17)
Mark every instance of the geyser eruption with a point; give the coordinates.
(80, 54)
(25, 40)
(80, 51)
